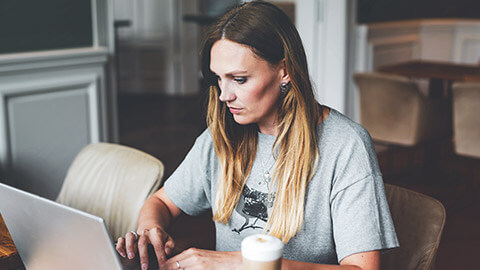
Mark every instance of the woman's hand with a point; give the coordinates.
(161, 241)
(194, 258)
(156, 214)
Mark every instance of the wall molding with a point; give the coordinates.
(22, 62)
(91, 84)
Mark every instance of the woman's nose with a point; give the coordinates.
(226, 94)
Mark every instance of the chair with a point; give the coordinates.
(111, 181)
(466, 118)
(393, 110)
(419, 222)
(466, 130)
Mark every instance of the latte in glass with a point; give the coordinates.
(262, 252)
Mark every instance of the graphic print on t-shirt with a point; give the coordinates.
(253, 206)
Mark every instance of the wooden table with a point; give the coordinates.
(434, 70)
(9, 258)
(441, 75)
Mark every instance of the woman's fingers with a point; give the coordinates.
(188, 259)
(177, 265)
(131, 245)
(143, 242)
(121, 246)
(158, 239)
(169, 245)
(162, 243)
(194, 258)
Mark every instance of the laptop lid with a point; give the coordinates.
(49, 235)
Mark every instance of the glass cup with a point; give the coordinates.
(262, 252)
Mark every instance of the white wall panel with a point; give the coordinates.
(322, 25)
(55, 102)
(46, 123)
(467, 47)
(447, 40)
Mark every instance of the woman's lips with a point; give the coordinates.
(234, 110)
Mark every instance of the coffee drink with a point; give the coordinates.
(262, 252)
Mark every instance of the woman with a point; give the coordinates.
(272, 160)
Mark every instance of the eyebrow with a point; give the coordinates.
(233, 73)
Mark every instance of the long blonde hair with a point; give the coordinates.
(271, 35)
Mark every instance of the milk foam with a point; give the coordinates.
(262, 248)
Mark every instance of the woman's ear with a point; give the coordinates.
(283, 71)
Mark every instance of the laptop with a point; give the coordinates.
(49, 235)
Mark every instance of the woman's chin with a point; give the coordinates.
(241, 120)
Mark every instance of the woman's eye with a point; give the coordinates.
(240, 80)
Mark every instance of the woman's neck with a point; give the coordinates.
(268, 130)
(324, 113)
(272, 127)
(269, 125)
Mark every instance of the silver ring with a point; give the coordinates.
(134, 234)
(177, 264)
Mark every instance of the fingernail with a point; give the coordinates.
(167, 250)
(144, 266)
(130, 255)
(122, 254)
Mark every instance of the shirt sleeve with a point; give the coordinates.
(361, 218)
(189, 186)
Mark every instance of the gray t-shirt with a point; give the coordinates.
(346, 211)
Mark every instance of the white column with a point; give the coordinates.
(322, 24)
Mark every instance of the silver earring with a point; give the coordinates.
(284, 87)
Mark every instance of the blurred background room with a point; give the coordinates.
(74, 73)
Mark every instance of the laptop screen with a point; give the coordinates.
(52, 236)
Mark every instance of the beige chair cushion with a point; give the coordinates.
(466, 119)
(393, 110)
(419, 222)
(111, 181)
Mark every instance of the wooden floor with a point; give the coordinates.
(166, 127)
